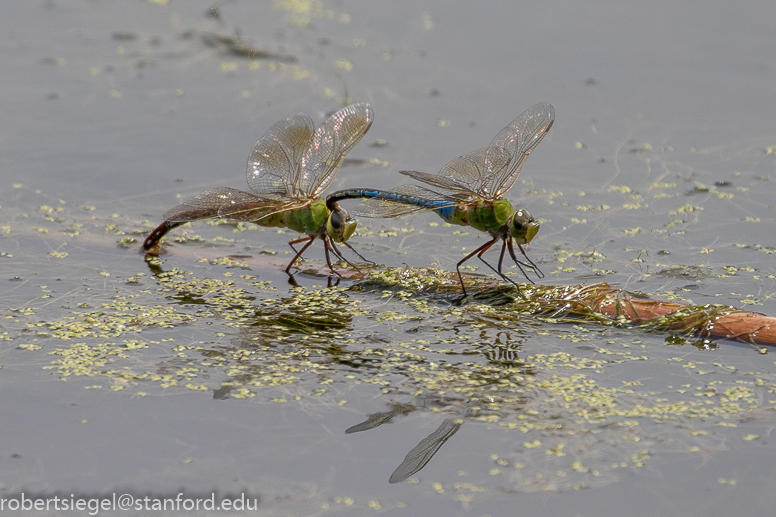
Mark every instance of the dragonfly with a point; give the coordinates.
(469, 191)
(288, 170)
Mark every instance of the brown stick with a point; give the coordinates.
(733, 323)
(746, 326)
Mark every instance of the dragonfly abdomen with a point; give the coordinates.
(454, 215)
(397, 197)
(276, 220)
(153, 239)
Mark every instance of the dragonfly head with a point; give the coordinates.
(523, 227)
(340, 226)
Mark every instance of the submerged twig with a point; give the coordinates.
(593, 303)
(603, 303)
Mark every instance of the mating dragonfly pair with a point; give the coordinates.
(293, 163)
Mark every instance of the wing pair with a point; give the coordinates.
(485, 174)
(290, 166)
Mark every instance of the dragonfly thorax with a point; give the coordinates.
(309, 219)
(523, 227)
(489, 216)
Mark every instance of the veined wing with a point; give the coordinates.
(204, 205)
(378, 419)
(402, 200)
(278, 155)
(375, 420)
(462, 176)
(244, 206)
(331, 142)
(490, 172)
(418, 457)
(507, 152)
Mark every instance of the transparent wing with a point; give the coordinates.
(402, 200)
(204, 205)
(490, 172)
(244, 206)
(507, 152)
(379, 209)
(274, 163)
(330, 144)
(295, 160)
(461, 176)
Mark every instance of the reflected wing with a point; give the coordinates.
(378, 419)
(418, 457)
(403, 200)
(330, 144)
(507, 152)
(205, 205)
(375, 420)
(275, 160)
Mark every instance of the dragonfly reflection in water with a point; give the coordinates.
(469, 191)
(288, 170)
(422, 453)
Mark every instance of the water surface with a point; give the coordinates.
(207, 374)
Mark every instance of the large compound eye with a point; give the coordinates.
(337, 219)
(523, 227)
(340, 226)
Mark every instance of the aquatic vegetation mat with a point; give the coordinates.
(577, 402)
(568, 384)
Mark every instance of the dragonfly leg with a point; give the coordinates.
(519, 264)
(534, 266)
(328, 258)
(298, 253)
(501, 257)
(155, 236)
(500, 262)
(522, 264)
(482, 249)
(357, 253)
(297, 241)
(339, 255)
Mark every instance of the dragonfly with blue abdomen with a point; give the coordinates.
(288, 170)
(469, 191)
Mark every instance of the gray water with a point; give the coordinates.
(661, 157)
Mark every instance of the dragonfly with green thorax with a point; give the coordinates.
(469, 191)
(288, 170)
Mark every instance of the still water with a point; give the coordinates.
(207, 371)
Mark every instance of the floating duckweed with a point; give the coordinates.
(309, 346)
(578, 467)
(621, 189)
